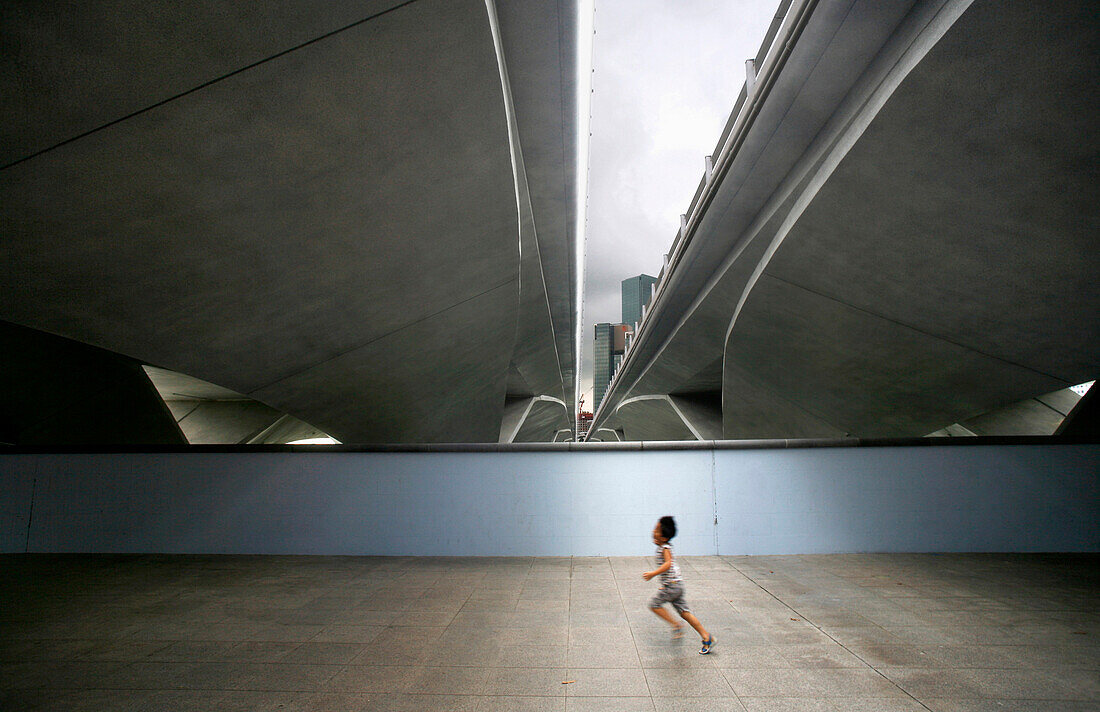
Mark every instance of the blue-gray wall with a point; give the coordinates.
(757, 501)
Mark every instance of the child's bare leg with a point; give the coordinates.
(662, 613)
(694, 623)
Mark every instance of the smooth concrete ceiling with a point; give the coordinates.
(311, 204)
(943, 268)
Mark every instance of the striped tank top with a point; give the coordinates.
(673, 573)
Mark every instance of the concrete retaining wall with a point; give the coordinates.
(727, 501)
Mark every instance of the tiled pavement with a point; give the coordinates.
(873, 633)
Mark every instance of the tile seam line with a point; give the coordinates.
(204, 85)
(816, 626)
(633, 638)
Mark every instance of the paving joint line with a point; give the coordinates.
(633, 639)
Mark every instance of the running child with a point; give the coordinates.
(672, 586)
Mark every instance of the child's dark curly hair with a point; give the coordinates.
(668, 527)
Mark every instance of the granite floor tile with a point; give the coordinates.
(174, 700)
(437, 603)
(323, 653)
(748, 657)
(371, 678)
(665, 682)
(787, 704)
(536, 635)
(972, 705)
(620, 653)
(52, 698)
(946, 632)
(592, 616)
(366, 617)
(878, 704)
(529, 606)
(713, 704)
(280, 632)
(849, 682)
(284, 676)
(864, 635)
(257, 652)
(820, 655)
(348, 633)
(144, 676)
(555, 656)
(448, 680)
(480, 619)
(456, 635)
(260, 701)
(979, 656)
(523, 682)
(1032, 685)
(876, 655)
(419, 618)
(598, 634)
(474, 654)
(399, 646)
(1084, 681)
(433, 703)
(539, 619)
(610, 704)
(521, 703)
(185, 651)
(607, 682)
(1062, 656)
(770, 682)
(386, 702)
(681, 654)
(926, 682)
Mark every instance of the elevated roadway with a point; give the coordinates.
(896, 232)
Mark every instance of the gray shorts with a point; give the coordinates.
(673, 593)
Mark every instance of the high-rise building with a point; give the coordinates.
(584, 422)
(609, 349)
(636, 292)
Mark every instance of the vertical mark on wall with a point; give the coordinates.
(30, 510)
(714, 500)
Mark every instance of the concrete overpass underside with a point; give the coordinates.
(904, 239)
(359, 215)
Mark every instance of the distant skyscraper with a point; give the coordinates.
(636, 291)
(609, 349)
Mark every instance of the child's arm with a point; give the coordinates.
(663, 568)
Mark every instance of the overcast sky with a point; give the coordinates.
(666, 75)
